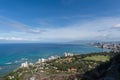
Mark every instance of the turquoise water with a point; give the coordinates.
(12, 55)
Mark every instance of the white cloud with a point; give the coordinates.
(79, 31)
(116, 26)
(86, 30)
(12, 38)
(35, 30)
(18, 25)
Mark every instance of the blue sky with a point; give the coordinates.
(59, 20)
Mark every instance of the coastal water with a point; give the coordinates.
(12, 55)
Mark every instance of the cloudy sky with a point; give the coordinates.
(59, 20)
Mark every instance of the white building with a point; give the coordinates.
(31, 64)
(25, 64)
(68, 54)
(52, 57)
(41, 60)
(11, 77)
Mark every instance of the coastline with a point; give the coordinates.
(40, 65)
(19, 53)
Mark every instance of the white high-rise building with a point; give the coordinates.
(25, 64)
(41, 60)
(68, 54)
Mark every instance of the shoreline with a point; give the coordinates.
(22, 60)
(54, 57)
(41, 63)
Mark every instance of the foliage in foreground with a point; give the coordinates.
(72, 65)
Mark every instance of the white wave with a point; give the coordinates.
(8, 63)
(0, 68)
(23, 59)
(16, 61)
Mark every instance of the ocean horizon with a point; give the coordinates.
(12, 55)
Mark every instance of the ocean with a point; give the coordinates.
(12, 55)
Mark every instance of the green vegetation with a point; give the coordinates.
(98, 58)
(109, 70)
(78, 64)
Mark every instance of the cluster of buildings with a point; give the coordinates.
(68, 54)
(11, 77)
(52, 57)
(113, 46)
(25, 64)
(43, 60)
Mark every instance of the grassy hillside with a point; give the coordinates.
(63, 67)
(109, 70)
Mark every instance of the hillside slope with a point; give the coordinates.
(106, 71)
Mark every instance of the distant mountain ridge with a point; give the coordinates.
(81, 41)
